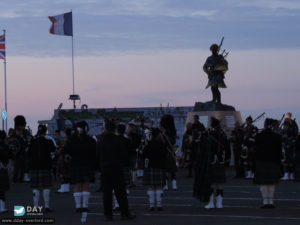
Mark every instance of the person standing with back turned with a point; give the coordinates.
(111, 166)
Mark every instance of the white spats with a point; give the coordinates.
(85, 199)
(2, 206)
(158, 195)
(270, 194)
(285, 177)
(264, 194)
(219, 202)
(249, 174)
(46, 195)
(210, 204)
(115, 201)
(83, 217)
(26, 177)
(166, 187)
(67, 188)
(64, 188)
(174, 185)
(151, 194)
(77, 198)
(36, 197)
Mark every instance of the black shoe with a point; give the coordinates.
(85, 210)
(265, 206)
(48, 210)
(78, 210)
(151, 209)
(128, 216)
(160, 209)
(109, 218)
(116, 209)
(272, 206)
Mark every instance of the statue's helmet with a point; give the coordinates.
(214, 48)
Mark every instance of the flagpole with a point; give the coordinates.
(75, 97)
(73, 77)
(5, 87)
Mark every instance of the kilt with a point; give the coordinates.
(81, 173)
(40, 178)
(4, 180)
(154, 177)
(217, 173)
(127, 176)
(217, 79)
(266, 172)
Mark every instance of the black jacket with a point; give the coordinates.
(268, 146)
(126, 150)
(111, 153)
(40, 153)
(156, 152)
(82, 149)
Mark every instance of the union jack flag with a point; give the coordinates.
(2, 46)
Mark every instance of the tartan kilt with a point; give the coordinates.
(81, 173)
(4, 180)
(154, 177)
(127, 176)
(217, 173)
(40, 178)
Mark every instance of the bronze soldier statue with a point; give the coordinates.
(215, 67)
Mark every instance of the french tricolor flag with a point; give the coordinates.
(62, 24)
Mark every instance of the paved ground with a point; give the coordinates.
(241, 205)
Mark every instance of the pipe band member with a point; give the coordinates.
(40, 166)
(267, 162)
(210, 176)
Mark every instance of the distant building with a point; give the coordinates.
(150, 116)
(63, 118)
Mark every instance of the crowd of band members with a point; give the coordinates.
(262, 155)
(265, 155)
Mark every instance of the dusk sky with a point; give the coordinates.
(133, 53)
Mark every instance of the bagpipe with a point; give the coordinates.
(15, 144)
(245, 147)
(222, 64)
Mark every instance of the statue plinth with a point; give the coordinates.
(212, 106)
(225, 113)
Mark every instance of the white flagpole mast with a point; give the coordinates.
(73, 96)
(5, 88)
(73, 77)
